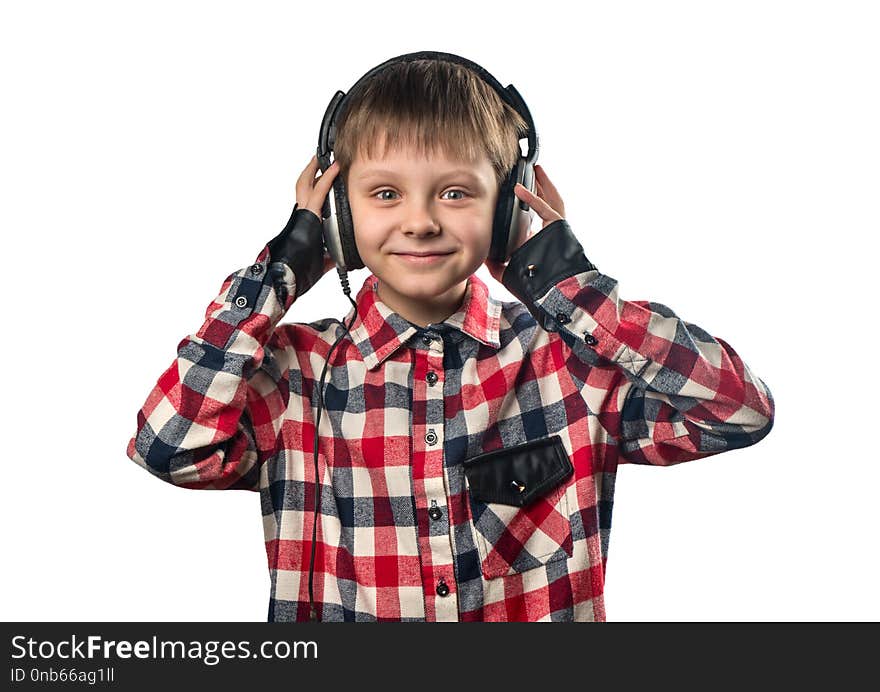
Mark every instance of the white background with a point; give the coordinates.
(720, 158)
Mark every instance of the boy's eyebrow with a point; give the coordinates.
(392, 174)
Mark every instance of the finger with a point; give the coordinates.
(321, 184)
(308, 172)
(496, 269)
(545, 182)
(548, 191)
(554, 201)
(319, 193)
(317, 172)
(544, 210)
(306, 180)
(327, 177)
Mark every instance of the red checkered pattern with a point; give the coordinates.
(400, 536)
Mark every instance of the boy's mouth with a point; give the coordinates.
(422, 257)
(424, 253)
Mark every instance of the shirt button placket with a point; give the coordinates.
(436, 541)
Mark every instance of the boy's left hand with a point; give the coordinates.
(547, 204)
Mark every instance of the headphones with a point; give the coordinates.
(510, 222)
(512, 216)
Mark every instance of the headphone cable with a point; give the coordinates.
(343, 279)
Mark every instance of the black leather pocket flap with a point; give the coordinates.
(518, 475)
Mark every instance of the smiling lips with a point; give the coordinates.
(422, 258)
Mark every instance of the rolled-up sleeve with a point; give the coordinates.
(682, 394)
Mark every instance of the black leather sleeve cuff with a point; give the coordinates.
(301, 247)
(545, 259)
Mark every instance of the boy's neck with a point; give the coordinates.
(419, 311)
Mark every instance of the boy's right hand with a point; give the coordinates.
(299, 248)
(311, 193)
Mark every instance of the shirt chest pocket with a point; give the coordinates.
(519, 506)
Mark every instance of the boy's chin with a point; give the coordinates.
(425, 285)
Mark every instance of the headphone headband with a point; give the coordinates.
(508, 94)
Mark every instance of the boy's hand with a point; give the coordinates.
(547, 204)
(311, 193)
(298, 254)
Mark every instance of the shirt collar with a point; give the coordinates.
(378, 331)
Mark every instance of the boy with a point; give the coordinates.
(469, 446)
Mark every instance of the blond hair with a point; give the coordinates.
(434, 105)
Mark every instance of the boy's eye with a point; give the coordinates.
(461, 192)
(388, 199)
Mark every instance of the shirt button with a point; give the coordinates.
(256, 268)
(562, 318)
(590, 339)
(431, 377)
(435, 513)
(442, 589)
(427, 340)
(241, 302)
(431, 437)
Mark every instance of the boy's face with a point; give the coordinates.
(406, 203)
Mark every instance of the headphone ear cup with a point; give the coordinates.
(501, 220)
(521, 221)
(511, 224)
(523, 218)
(346, 226)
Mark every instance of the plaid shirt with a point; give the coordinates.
(542, 397)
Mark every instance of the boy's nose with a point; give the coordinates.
(421, 222)
(419, 231)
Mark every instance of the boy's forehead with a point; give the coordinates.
(406, 160)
